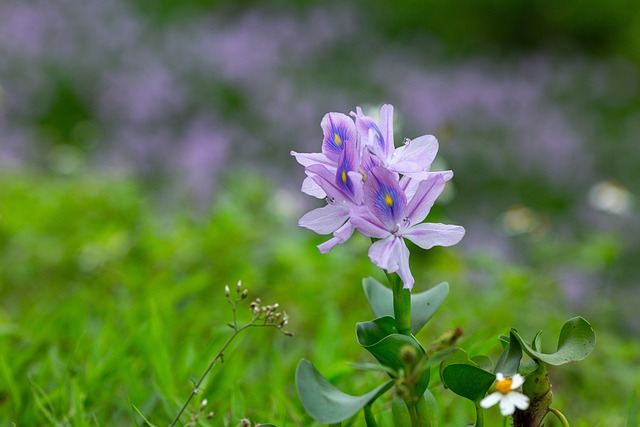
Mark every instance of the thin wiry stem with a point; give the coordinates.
(256, 317)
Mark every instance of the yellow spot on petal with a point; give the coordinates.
(504, 386)
(337, 139)
(387, 199)
(344, 176)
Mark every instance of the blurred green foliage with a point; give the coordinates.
(108, 299)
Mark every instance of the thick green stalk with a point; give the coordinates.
(401, 304)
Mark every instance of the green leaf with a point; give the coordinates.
(577, 339)
(483, 362)
(467, 380)
(400, 412)
(379, 296)
(431, 408)
(379, 337)
(324, 402)
(509, 360)
(423, 305)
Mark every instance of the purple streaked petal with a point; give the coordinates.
(326, 180)
(339, 131)
(367, 223)
(384, 197)
(370, 132)
(415, 155)
(368, 162)
(348, 179)
(428, 235)
(325, 220)
(423, 199)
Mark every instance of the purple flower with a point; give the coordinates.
(339, 131)
(389, 215)
(413, 158)
(343, 186)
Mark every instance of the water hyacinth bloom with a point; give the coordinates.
(389, 215)
(505, 394)
(359, 173)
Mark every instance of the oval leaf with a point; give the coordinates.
(379, 338)
(323, 401)
(468, 381)
(577, 339)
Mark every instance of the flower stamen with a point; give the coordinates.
(504, 386)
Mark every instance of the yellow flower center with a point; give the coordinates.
(337, 139)
(504, 386)
(344, 176)
(388, 200)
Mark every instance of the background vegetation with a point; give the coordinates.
(144, 158)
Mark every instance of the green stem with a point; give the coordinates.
(401, 304)
(479, 415)
(368, 416)
(560, 416)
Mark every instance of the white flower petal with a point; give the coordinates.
(499, 377)
(518, 399)
(516, 381)
(507, 407)
(491, 400)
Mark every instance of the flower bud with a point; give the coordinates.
(408, 354)
(227, 291)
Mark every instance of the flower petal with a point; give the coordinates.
(371, 133)
(368, 224)
(403, 266)
(516, 381)
(341, 235)
(339, 131)
(325, 220)
(491, 400)
(520, 400)
(425, 196)
(428, 235)
(310, 187)
(307, 159)
(385, 253)
(384, 197)
(415, 155)
(506, 405)
(386, 127)
(326, 180)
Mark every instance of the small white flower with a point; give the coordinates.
(509, 399)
